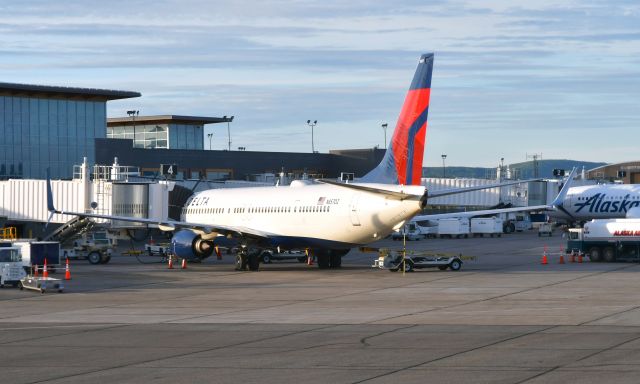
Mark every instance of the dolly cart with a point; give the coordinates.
(393, 261)
(41, 284)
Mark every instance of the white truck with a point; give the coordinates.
(410, 231)
(607, 240)
(454, 227)
(35, 252)
(491, 226)
(11, 270)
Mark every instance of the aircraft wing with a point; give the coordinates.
(555, 205)
(165, 225)
(483, 212)
(454, 191)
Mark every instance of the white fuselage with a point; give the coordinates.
(313, 214)
(599, 201)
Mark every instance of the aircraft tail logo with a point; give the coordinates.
(402, 163)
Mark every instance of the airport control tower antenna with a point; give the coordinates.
(536, 165)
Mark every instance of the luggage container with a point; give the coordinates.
(491, 226)
(455, 227)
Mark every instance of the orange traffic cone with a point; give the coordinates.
(544, 259)
(184, 263)
(35, 270)
(67, 273)
(170, 262)
(579, 257)
(309, 257)
(45, 273)
(561, 259)
(218, 254)
(573, 256)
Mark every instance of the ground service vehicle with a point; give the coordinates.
(409, 231)
(268, 256)
(94, 246)
(491, 226)
(394, 261)
(11, 271)
(545, 229)
(607, 240)
(35, 252)
(454, 227)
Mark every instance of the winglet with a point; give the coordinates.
(557, 203)
(50, 206)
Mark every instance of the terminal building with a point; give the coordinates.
(50, 127)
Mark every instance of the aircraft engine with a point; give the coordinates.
(189, 245)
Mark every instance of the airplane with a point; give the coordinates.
(573, 204)
(324, 217)
(603, 201)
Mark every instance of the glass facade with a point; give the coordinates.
(39, 133)
(143, 136)
(167, 136)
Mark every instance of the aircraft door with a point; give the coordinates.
(353, 210)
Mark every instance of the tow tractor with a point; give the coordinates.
(11, 270)
(398, 260)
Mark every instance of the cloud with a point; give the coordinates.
(505, 72)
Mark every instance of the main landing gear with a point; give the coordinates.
(248, 259)
(329, 258)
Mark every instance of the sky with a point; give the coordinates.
(512, 79)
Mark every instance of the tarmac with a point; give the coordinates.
(504, 318)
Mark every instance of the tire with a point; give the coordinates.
(609, 255)
(408, 266)
(335, 261)
(324, 261)
(266, 257)
(241, 262)
(94, 257)
(595, 254)
(254, 262)
(455, 265)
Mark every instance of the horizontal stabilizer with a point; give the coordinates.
(359, 187)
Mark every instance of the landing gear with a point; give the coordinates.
(330, 258)
(248, 260)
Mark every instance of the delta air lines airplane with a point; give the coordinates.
(325, 217)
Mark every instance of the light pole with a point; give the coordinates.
(384, 127)
(315, 122)
(230, 119)
(132, 114)
(443, 167)
(209, 135)
(501, 169)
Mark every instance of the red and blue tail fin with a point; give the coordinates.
(402, 163)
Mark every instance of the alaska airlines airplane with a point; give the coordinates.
(604, 201)
(325, 217)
